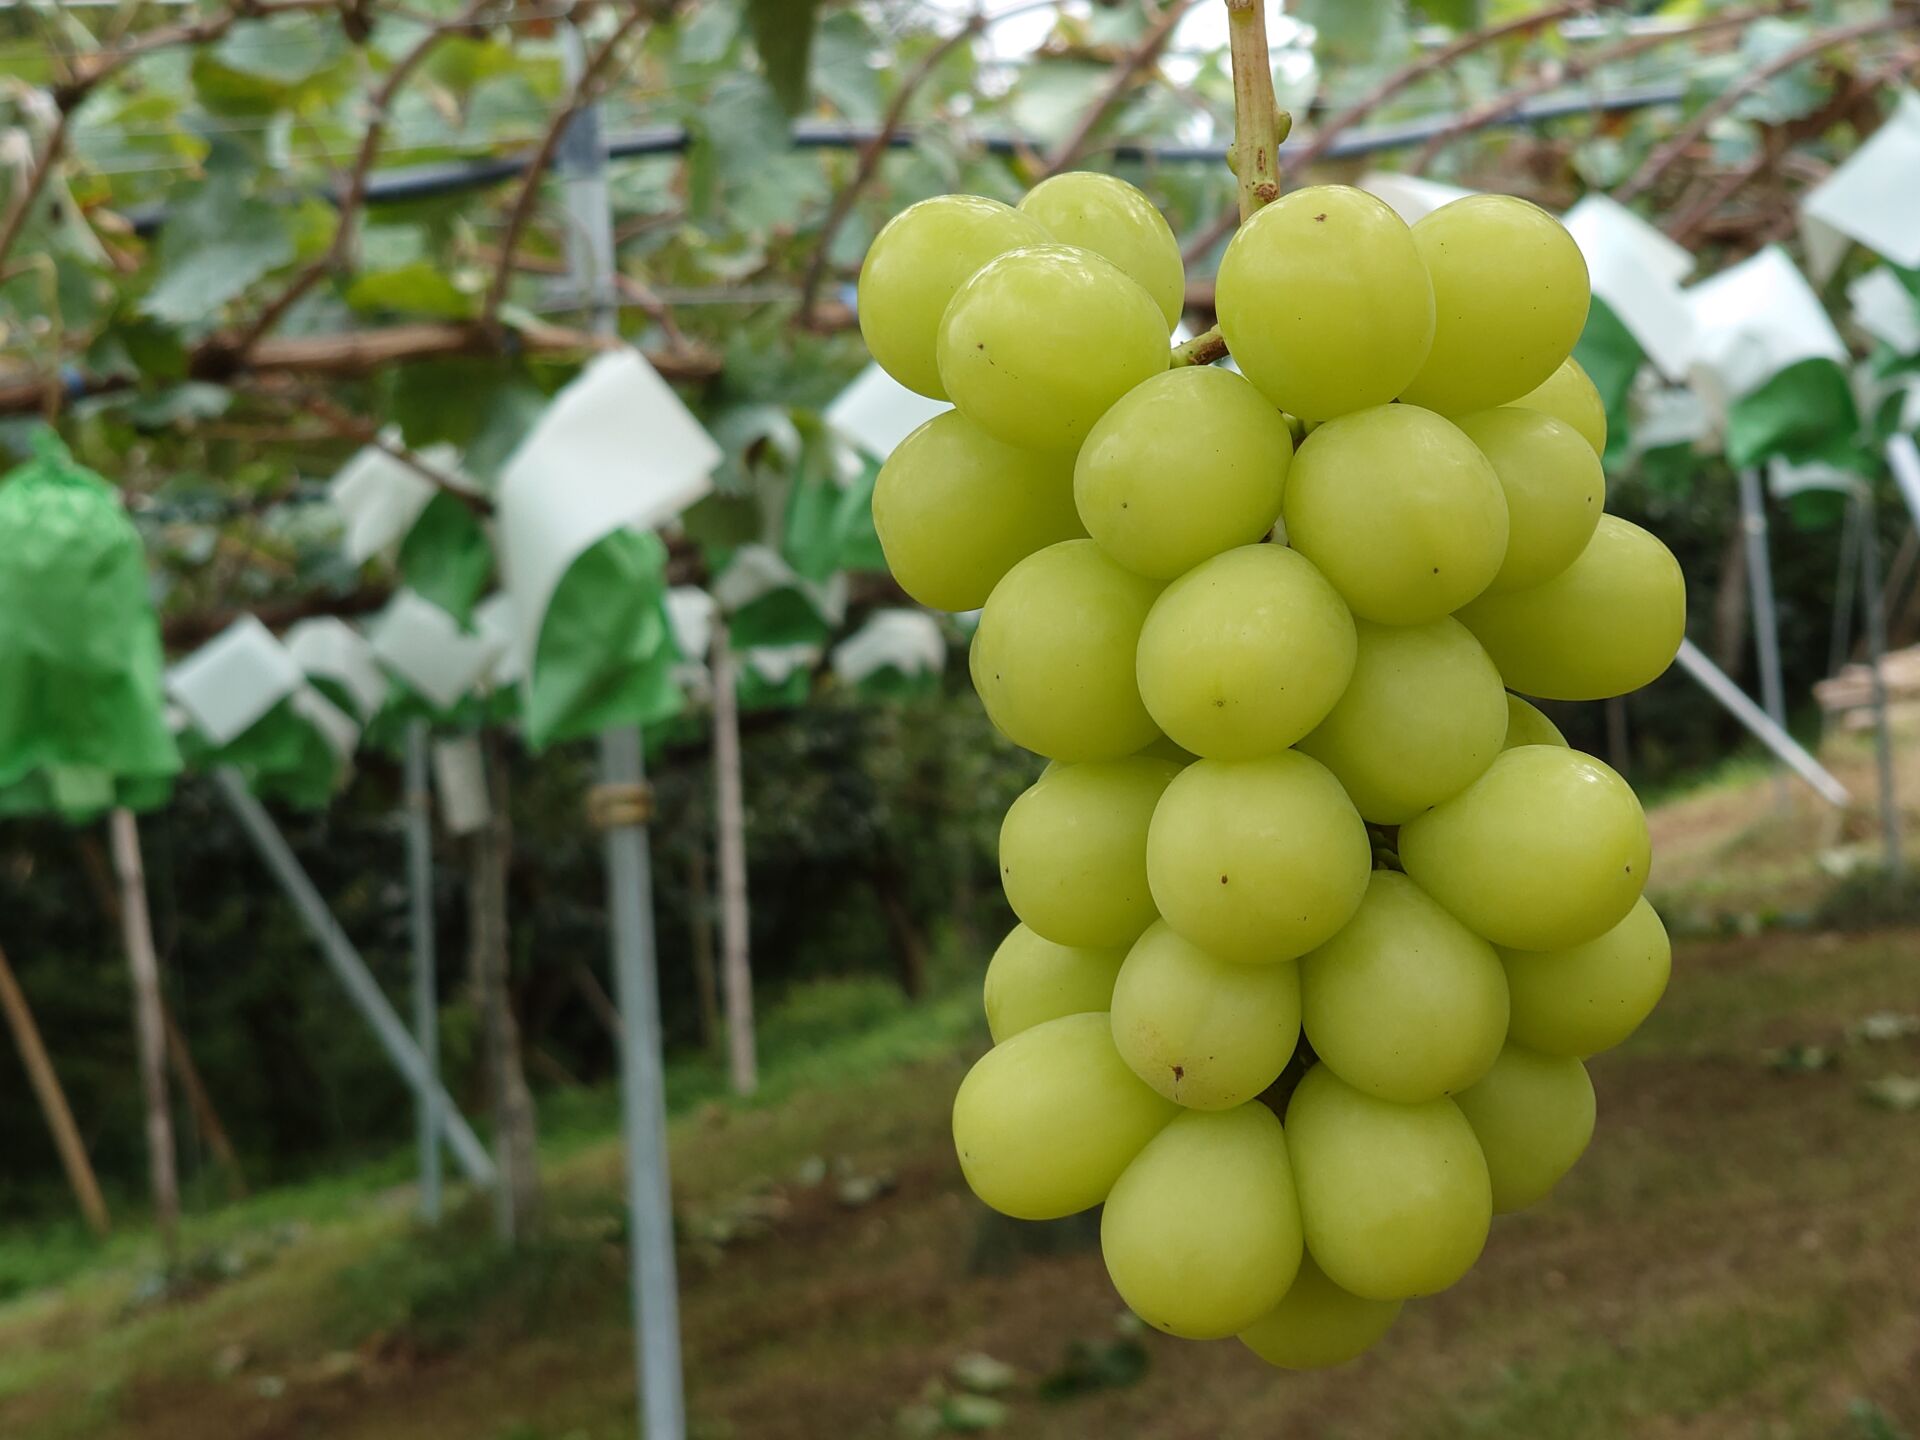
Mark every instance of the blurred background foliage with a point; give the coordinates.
(218, 281)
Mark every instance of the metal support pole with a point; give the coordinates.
(582, 164)
(1766, 627)
(1876, 615)
(1717, 683)
(643, 1105)
(426, 1008)
(351, 970)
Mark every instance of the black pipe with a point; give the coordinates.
(420, 182)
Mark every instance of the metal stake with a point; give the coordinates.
(582, 164)
(426, 1010)
(361, 987)
(1870, 600)
(1766, 627)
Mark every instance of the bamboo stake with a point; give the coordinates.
(150, 1029)
(53, 1102)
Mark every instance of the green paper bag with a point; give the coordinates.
(605, 656)
(80, 654)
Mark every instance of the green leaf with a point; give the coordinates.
(446, 557)
(1611, 357)
(260, 66)
(1454, 14)
(783, 34)
(216, 243)
(843, 68)
(419, 287)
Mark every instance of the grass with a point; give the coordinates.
(1732, 1259)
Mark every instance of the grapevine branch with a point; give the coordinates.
(868, 164)
(1125, 69)
(584, 90)
(1683, 139)
(356, 188)
(88, 72)
(1579, 65)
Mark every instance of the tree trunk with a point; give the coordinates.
(150, 1031)
(1729, 648)
(53, 1101)
(706, 984)
(515, 1121)
(731, 828)
(903, 935)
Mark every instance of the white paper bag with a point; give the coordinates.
(229, 683)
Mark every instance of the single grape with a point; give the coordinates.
(1257, 860)
(1201, 1233)
(1031, 980)
(1325, 303)
(1186, 464)
(1405, 1003)
(1245, 653)
(1547, 849)
(955, 509)
(1609, 623)
(1040, 342)
(1590, 997)
(1394, 1199)
(1510, 298)
(1569, 395)
(1423, 715)
(1399, 510)
(1527, 726)
(1533, 1117)
(1206, 1032)
(1554, 486)
(1045, 1123)
(1073, 850)
(1106, 215)
(1053, 654)
(916, 262)
(1318, 1325)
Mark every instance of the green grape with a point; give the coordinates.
(1394, 1199)
(1206, 1032)
(1610, 622)
(916, 262)
(1073, 850)
(1590, 997)
(1554, 485)
(1547, 849)
(1040, 342)
(1325, 303)
(1165, 749)
(1423, 715)
(1185, 465)
(955, 509)
(1318, 1325)
(1399, 510)
(1405, 1003)
(1045, 1123)
(1245, 653)
(1257, 860)
(1527, 726)
(1109, 217)
(1569, 395)
(1052, 656)
(1031, 980)
(1201, 1233)
(1509, 299)
(1533, 1117)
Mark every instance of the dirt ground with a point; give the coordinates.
(1738, 1255)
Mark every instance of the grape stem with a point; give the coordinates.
(1257, 125)
(1202, 349)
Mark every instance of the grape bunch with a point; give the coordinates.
(1318, 919)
